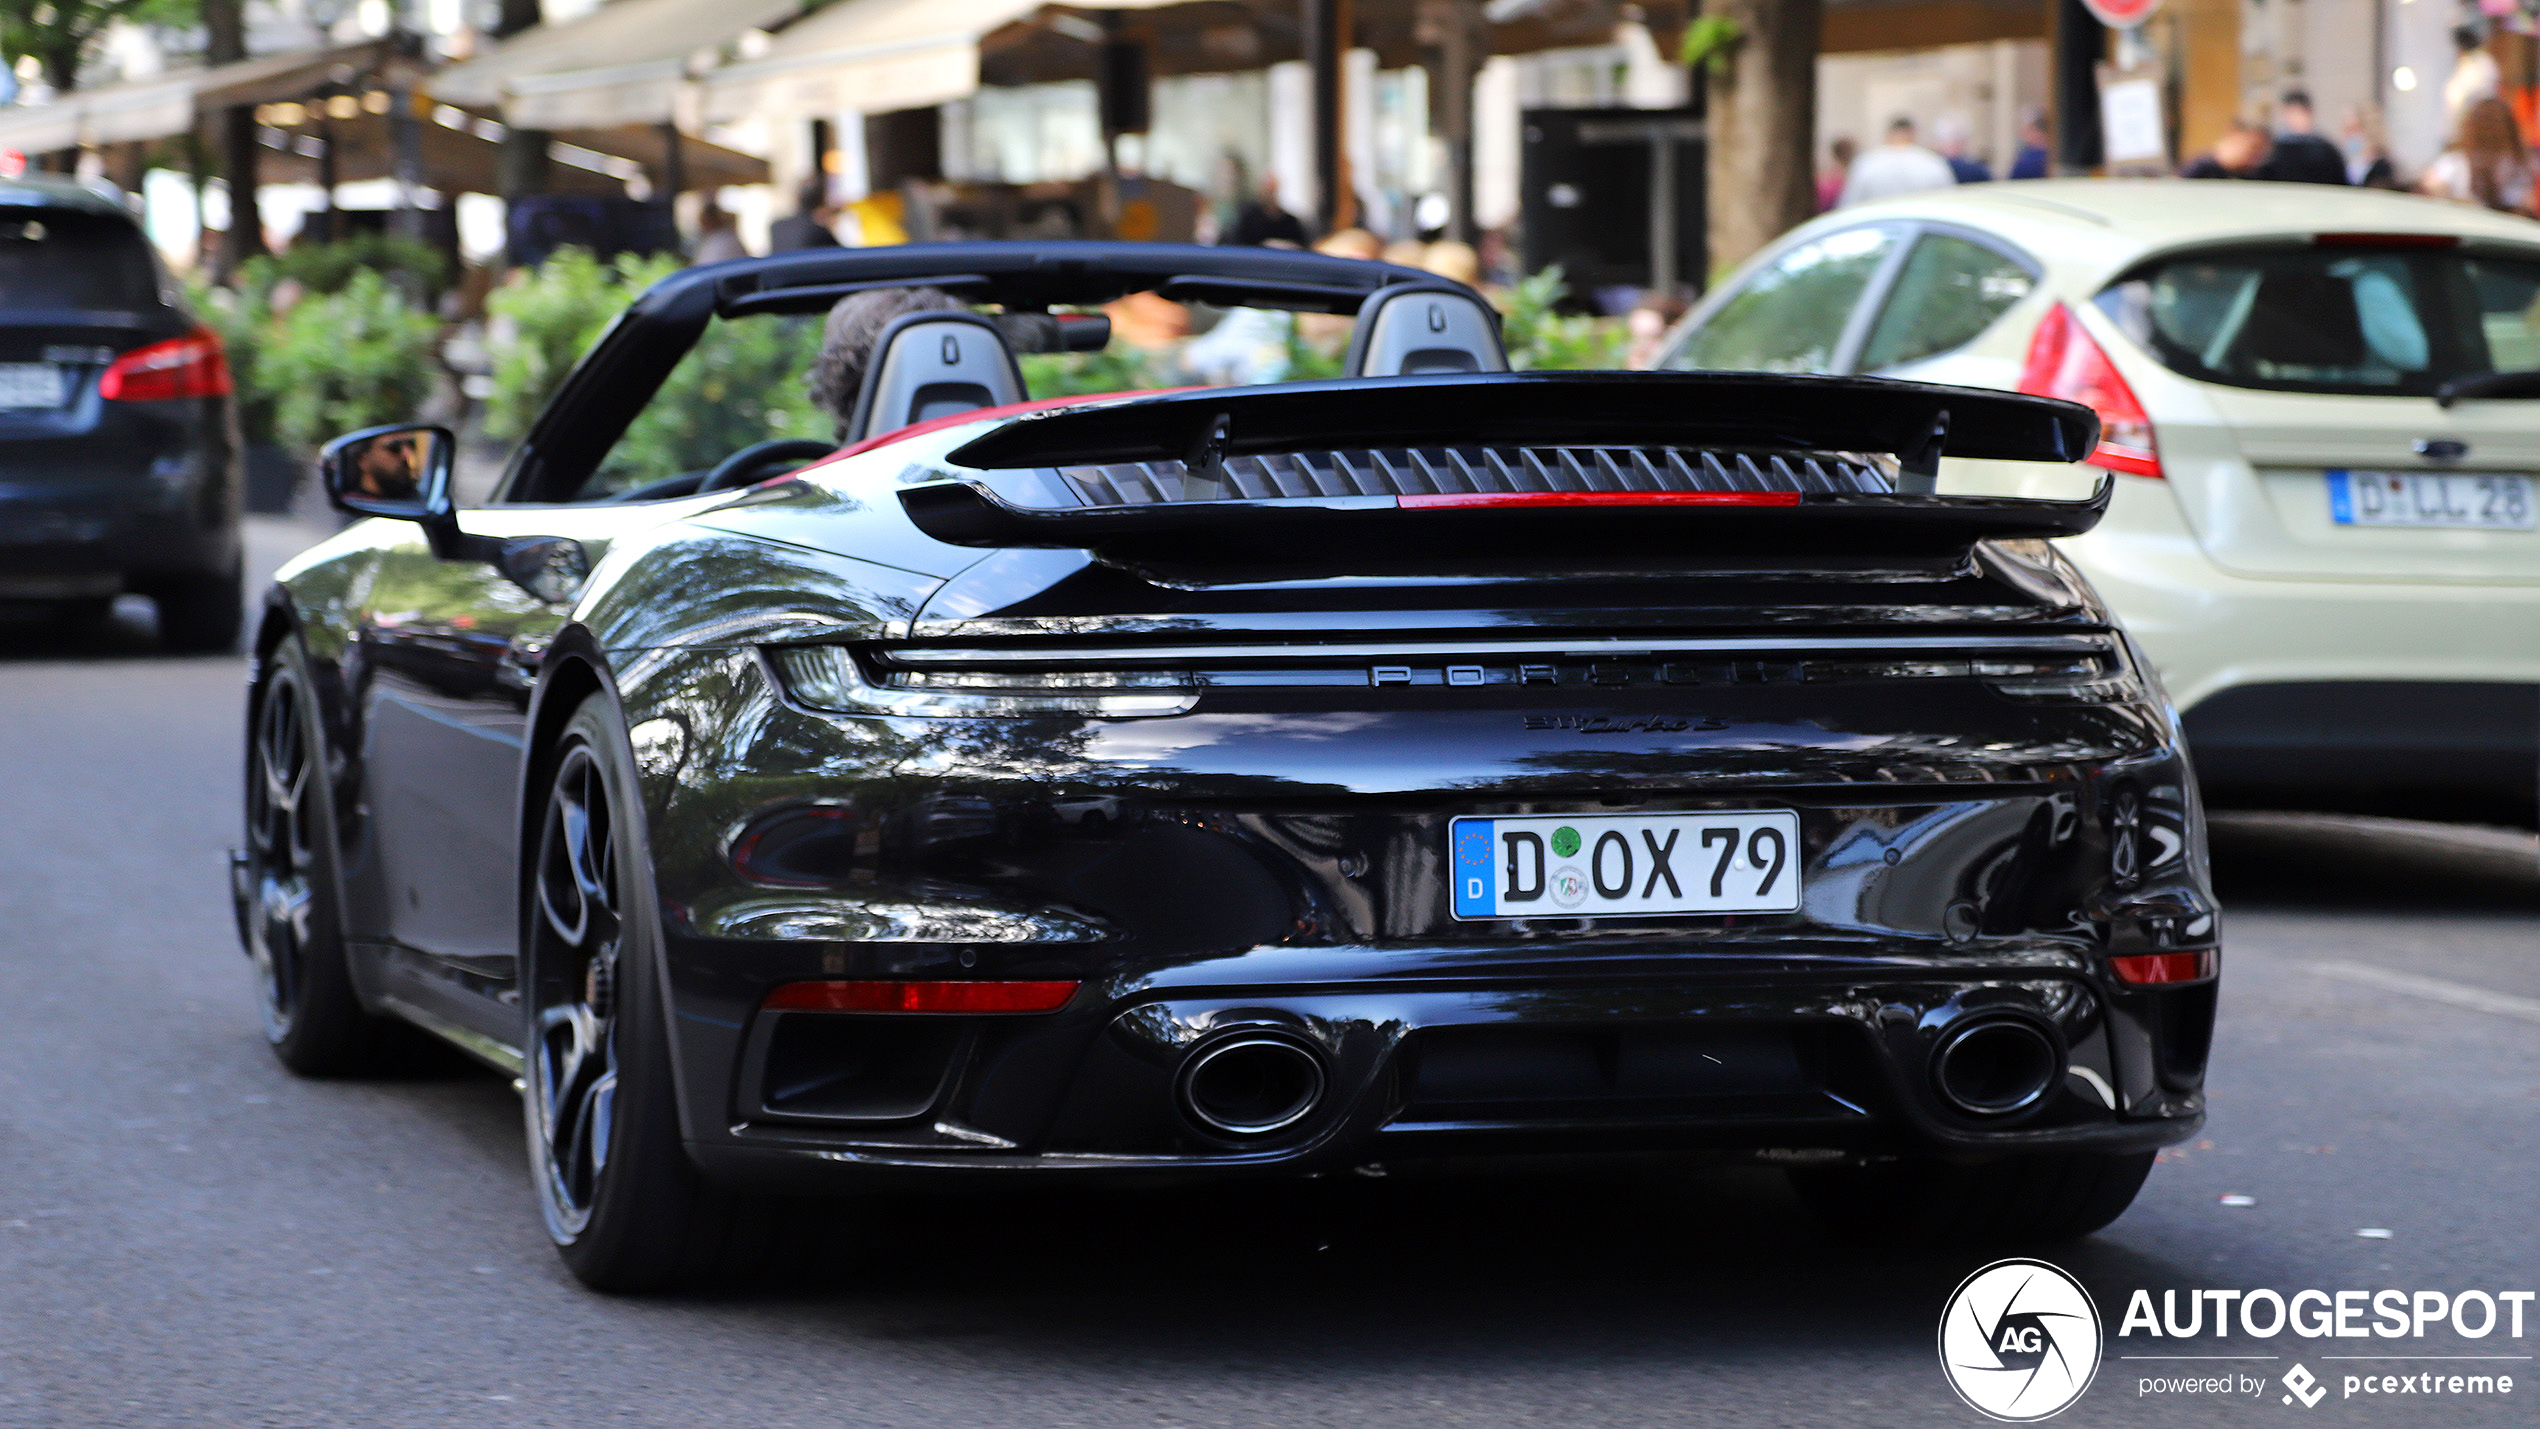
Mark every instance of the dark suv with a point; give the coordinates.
(119, 450)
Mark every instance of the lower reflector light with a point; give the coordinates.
(2144, 969)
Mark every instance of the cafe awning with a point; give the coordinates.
(623, 63)
(872, 57)
(169, 104)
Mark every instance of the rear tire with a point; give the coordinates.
(627, 1209)
(200, 615)
(2046, 1196)
(292, 925)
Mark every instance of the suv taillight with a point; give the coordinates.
(2064, 362)
(188, 366)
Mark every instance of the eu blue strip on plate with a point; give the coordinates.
(1476, 890)
(2341, 498)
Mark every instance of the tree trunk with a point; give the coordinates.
(1762, 108)
(524, 167)
(225, 42)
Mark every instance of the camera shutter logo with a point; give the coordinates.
(2020, 1341)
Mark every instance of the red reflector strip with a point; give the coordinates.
(2386, 240)
(895, 996)
(1599, 498)
(2145, 969)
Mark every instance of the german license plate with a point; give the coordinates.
(2478, 501)
(1625, 865)
(30, 384)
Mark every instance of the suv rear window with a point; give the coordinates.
(2381, 321)
(63, 259)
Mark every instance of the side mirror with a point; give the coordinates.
(402, 473)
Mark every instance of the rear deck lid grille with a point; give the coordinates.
(1469, 471)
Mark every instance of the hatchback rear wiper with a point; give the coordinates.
(2488, 384)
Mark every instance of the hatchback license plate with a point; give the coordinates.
(30, 384)
(1625, 865)
(2478, 501)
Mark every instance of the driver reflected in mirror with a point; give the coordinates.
(389, 467)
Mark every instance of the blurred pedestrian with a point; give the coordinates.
(2299, 155)
(1261, 220)
(1949, 136)
(2032, 161)
(2367, 148)
(2488, 163)
(1407, 253)
(811, 224)
(1899, 166)
(2238, 154)
(1455, 262)
(2474, 75)
(717, 240)
(1839, 156)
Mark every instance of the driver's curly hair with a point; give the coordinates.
(847, 338)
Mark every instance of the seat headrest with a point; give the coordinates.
(1412, 328)
(933, 364)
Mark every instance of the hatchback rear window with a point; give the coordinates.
(55, 259)
(2388, 321)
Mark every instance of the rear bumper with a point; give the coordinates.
(2365, 696)
(55, 544)
(1729, 1060)
(2465, 747)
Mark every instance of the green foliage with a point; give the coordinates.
(1711, 41)
(58, 33)
(743, 383)
(546, 319)
(340, 361)
(1542, 339)
(242, 318)
(1077, 374)
(329, 267)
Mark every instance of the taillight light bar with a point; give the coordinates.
(188, 366)
(2063, 361)
(895, 995)
(1597, 498)
(2153, 969)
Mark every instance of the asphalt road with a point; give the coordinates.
(188, 1236)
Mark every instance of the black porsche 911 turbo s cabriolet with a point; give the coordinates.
(1434, 764)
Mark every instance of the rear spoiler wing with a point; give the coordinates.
(1631, 528)
(1001, 502)
(1915, 421)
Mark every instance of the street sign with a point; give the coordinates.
(2122, 14)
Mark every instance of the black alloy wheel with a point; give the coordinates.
(623, 1202)
(312, 1019)
(574, 1048)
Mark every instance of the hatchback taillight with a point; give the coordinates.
(2064, 362)
(188, 366)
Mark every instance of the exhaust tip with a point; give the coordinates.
(1996, 1066)
(1251, 1085)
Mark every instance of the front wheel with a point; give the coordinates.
(288, 890)
(625, 1206)
(2042, 1196)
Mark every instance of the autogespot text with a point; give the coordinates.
(2442, 1355)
